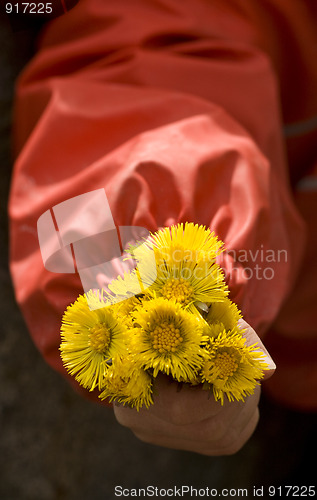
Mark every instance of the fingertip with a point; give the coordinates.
(268, 373)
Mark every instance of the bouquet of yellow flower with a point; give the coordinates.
(182, 324)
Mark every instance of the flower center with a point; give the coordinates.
(178, 289)
(166, 338)
(99, 338)
(227, 364)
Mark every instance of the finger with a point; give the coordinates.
(234, 441)
(186, 406)
(155, 429)
(235, 432)
(251, 339)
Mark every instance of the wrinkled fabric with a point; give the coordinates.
(177, 110)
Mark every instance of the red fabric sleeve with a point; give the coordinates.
(176, 125)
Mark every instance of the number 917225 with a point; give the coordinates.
(29, 8)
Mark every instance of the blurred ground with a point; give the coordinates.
(55, 445)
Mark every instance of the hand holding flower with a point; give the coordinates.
(189, 419)
(177, 327)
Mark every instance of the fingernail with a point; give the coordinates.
(266, 357)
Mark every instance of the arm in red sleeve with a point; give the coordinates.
(176, 125)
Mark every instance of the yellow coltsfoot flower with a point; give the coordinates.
(90, 338)
(183, 242)
(225, 313)
(176, 263)
(168, 339)
(185, 269)
(233, 369)
(126, 308)
(126, 287)
(127, 383)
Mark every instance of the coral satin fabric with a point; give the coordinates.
(177, 110)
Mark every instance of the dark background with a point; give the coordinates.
(56, 445)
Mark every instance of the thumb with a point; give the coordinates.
(251, 339)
